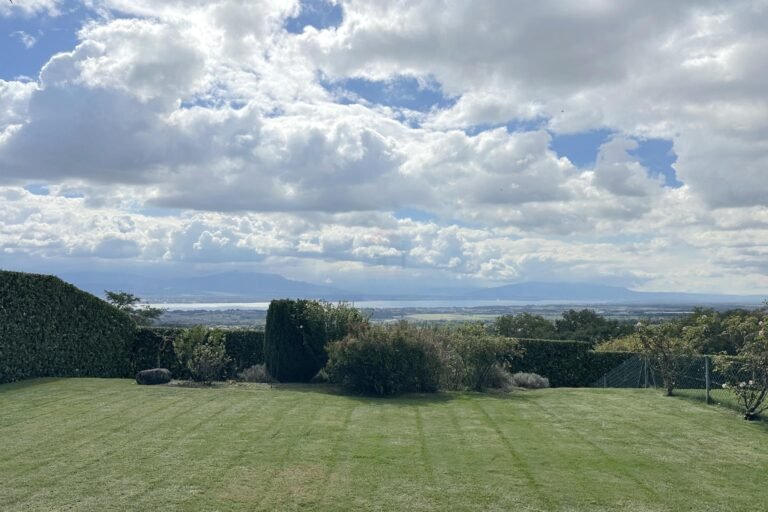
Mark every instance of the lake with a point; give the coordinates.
(371, 304)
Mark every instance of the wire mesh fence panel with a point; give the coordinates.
(696, 377)
(632, 373)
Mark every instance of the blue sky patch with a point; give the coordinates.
(515, 125)
(657, 155)
(320, 14)
(580, 148)
(401, 92)
(28, 42)
(415, 215)
(38, 189)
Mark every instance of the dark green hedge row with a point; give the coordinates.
(566, 363)
(245, 347)
(49, 328)
(153, 347)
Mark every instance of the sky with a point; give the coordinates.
(389, 145)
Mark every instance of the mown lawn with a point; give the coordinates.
(89, 444)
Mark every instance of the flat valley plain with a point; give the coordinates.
(223, 317)
(109, 444)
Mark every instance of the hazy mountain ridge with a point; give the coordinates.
(226, 286)
(252, 286)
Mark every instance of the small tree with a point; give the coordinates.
(128, 302)
(747, 374)
(666, 349)
(202, 352)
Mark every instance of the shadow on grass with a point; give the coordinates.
(29, 383)
(335, 390)
(407, 398)
(727, 405)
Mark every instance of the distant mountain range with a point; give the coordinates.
(222, 287)
(256, 287)
(601, 293)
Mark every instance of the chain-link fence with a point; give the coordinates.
(697, 377)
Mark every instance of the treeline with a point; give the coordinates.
(704, 331)
(584, 325)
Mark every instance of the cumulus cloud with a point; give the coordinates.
(213, 112)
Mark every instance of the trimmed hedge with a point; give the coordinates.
(153, 348)
(566, 363)
(49, 328)
(245, 347)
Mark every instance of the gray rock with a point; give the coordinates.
(154, 376)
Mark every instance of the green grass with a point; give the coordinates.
(89, 444)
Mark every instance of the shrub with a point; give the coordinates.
(49, 328)
(202, 352)
(154, 376)
(529, 380)
(256, 373)
(474, 354)
(498, 378)
(386, 360)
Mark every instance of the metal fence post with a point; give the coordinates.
(645, 372)
(706, 375)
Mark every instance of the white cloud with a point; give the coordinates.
(213, 112)
(30, 8)
(28, 40)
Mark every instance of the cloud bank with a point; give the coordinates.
(405, 142)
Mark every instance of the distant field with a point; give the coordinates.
(89, 444)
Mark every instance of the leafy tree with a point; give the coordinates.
(666, 349)
(712, 332)
(524, 325)
(128, 302)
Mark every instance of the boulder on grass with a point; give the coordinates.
(154, 376)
